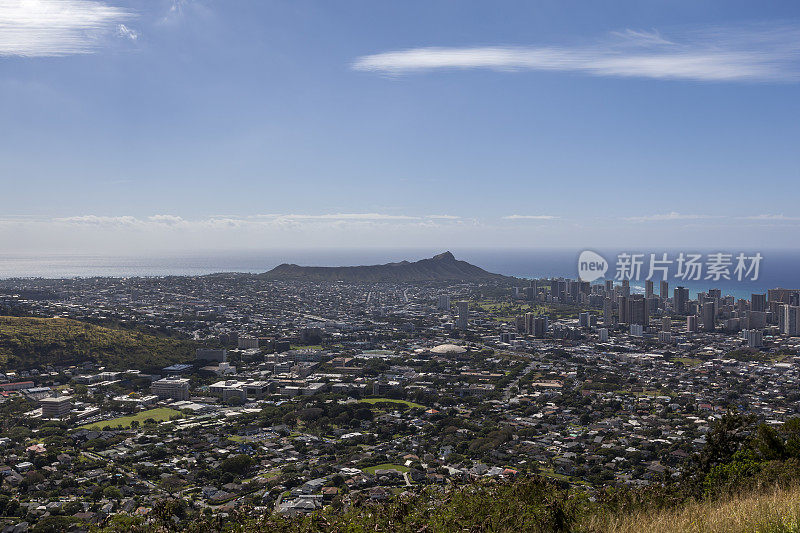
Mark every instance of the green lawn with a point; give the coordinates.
(159, 415)
(389, 400)
(386, 466)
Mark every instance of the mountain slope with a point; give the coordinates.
(36, 342)
(442, 267)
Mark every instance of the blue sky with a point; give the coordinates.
(199, 124)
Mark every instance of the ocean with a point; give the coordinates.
(779, 268)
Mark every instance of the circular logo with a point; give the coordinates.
(591, 266)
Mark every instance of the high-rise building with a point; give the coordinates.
(758, 302)
(529, 317)
(584, 287)
(754, 338)
(666, 324)
(535, 325)
(651, 305)
(171, 388)
(789, 321)
(444, 302)
(784, 296)
(530, 293)
(709, 314)
(603, 334)
(664, 290)
(691, 324)
(463, 314)
(554, 288)
(636, 312)
(609, 286)
(626, 287)
(680, 300)
(608, 312)
(539, 326)
(56, 406)
(732, 325)
(648, 288)
(756, 319)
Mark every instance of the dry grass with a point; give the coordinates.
(772, 511)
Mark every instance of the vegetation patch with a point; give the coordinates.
(386, 466)
(35, 342)
(159, 414)
(408, 404)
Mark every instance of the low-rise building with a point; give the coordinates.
(171, 387)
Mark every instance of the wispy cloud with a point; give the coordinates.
(229, 221)
(180, 9)
(530, 217)
(34, 28)
(668, 217)
(771, 217)
(754, 53)
(126, 32)
(95, 220)
(348, 216)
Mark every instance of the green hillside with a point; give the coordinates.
(35, 342)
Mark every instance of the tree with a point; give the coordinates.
(724, 440)
(112, 493)
(53, 524)
(238, 464)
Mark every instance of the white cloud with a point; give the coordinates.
(668, 217)
(530, 217)
(126, 32)
(755, 53)
(170, 220)
(34, 28)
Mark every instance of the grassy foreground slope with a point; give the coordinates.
(770, 511)
(34, 342)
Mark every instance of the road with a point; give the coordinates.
(507, 392)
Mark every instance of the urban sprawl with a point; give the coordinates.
(297, 395)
